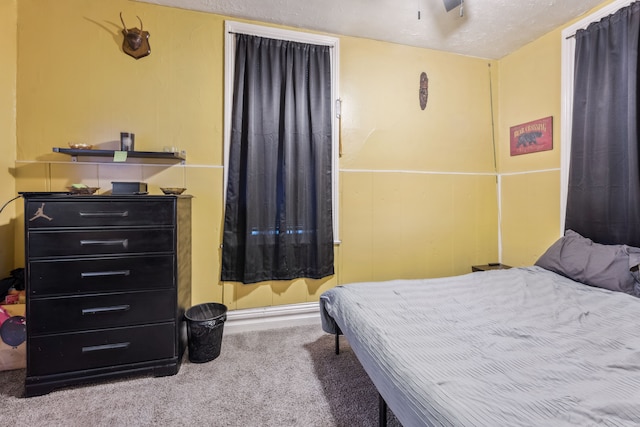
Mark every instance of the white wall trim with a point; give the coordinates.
(568, 58)
(277, 316)
(530, 172)
(415, 172)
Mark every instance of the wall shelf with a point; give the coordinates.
(75, 153)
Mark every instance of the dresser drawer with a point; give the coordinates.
(53, 354)
(99, 242)
(49, 315)
(50, 277)
(92, 213)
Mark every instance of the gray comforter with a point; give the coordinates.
(518, 347)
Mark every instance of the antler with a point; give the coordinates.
(133, 44)
(123, 24)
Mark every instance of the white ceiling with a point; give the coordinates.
(489, 28)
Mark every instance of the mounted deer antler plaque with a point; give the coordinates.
(136, 41)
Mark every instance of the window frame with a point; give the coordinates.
(232, 27)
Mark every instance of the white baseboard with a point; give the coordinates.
(279, 316)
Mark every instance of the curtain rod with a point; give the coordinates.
(574, 34)
(233, 32)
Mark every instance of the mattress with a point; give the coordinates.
(518, 347)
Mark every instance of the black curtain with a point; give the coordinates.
(603, 200)
(278, 213)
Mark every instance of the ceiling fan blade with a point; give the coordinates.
(451, 4)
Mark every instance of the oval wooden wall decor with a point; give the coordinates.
(424, 90)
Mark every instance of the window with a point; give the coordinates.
(568, 72)
(280, 154)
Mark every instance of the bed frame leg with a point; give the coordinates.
(382, 411)
(338, 333)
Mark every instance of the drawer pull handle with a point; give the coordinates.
(105, 273)
(99, 310)
(115, 242)
(122, 214)
(116, 346)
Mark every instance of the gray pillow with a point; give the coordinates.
(613, 267)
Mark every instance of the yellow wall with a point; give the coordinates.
(530, 89)
(418, 193)
(530, 183)
(8, 58)
(417, 188)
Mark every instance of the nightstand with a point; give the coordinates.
(490, 266)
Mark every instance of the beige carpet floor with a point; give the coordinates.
(279, 377)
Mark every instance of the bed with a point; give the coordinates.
(520, 347)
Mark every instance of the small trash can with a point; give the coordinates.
(204, 331)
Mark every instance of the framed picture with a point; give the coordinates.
(532, 136)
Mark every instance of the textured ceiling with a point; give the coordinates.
(488, 28)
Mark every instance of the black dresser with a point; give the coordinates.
(108, 282)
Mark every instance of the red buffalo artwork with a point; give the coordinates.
(532, 136)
